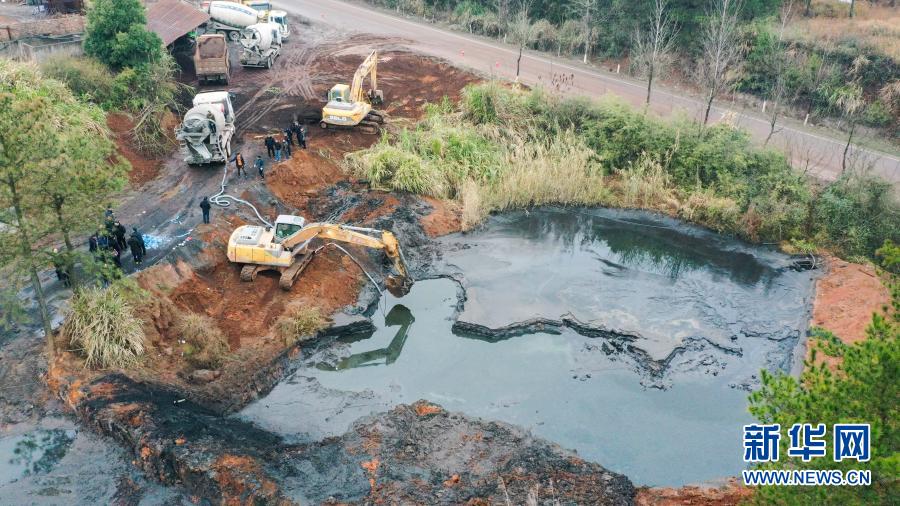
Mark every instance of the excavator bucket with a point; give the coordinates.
(398, 285)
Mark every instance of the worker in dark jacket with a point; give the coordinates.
(286, 144)
(62, 271)
(119, 232)
(301, 136)
(205, 206)
(140, 239)
(288, 138)
(270, 145)
(259, 164)
(137, 252)
(93, 243)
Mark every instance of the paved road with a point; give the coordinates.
(820, 153)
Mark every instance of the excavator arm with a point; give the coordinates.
(398, 282)
(369, 66)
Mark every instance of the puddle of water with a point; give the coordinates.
(33, 453)
(587, 394)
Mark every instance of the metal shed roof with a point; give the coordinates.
(171, 19)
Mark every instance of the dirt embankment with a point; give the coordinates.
(729, 494)
(846, 298)
(143, 168)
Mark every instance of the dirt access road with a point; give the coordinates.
(817, 151)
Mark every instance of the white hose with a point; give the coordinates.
(222, 199)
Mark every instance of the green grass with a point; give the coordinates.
(503, 148)
(103, 328)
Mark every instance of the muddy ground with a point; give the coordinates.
(171, 424)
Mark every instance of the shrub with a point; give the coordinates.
(299, 321)
(103, 328)
(857, 214)
(87, 78)
(205, 346)
(889, 256)
(116, 34)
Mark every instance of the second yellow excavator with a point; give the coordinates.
(290, 245)
(350, 106)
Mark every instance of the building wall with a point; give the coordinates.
(60, 25)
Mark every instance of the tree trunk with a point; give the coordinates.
(518, 63)
(25, 247)
(649, 83)
(709, 102)
(852, 8)
(70, 249)
(847, 148)
(808, 8)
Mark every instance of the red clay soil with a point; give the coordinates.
(246, 312)
(730, 494)
(408, 80)
(846, 298)
(443, 219)
(143, 169)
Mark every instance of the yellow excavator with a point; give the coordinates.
(350, 106)
(290, 245)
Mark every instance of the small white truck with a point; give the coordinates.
(205, 133)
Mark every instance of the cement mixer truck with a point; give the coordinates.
(261, 45)
(207, 128)
(230, 18)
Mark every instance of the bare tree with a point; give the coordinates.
(777, 94)
(852, 8)
(522, 31)
(503, 15)
(848, 99)
(651, 52)
(721, 51)
(587, 11)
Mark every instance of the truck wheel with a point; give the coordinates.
(269, 62)
(234, 36)
(323, 125)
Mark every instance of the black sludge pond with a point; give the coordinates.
(628, 337)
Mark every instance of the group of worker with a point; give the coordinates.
(276, 146)
(114, 241)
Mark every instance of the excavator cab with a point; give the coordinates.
(339, 93)
(287, 225)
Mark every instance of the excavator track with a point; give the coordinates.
(375, 117)
(289, 275)
(369, 127)
(249, 272)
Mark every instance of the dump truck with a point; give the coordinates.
(290, 245)
(261, 45)
(230, 18)
(205, 133)
(211, 59)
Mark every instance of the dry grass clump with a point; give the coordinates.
(563, 171)
(102, 327)
(205, 346)
(645, 184)
(873, 26)
(299, 320)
